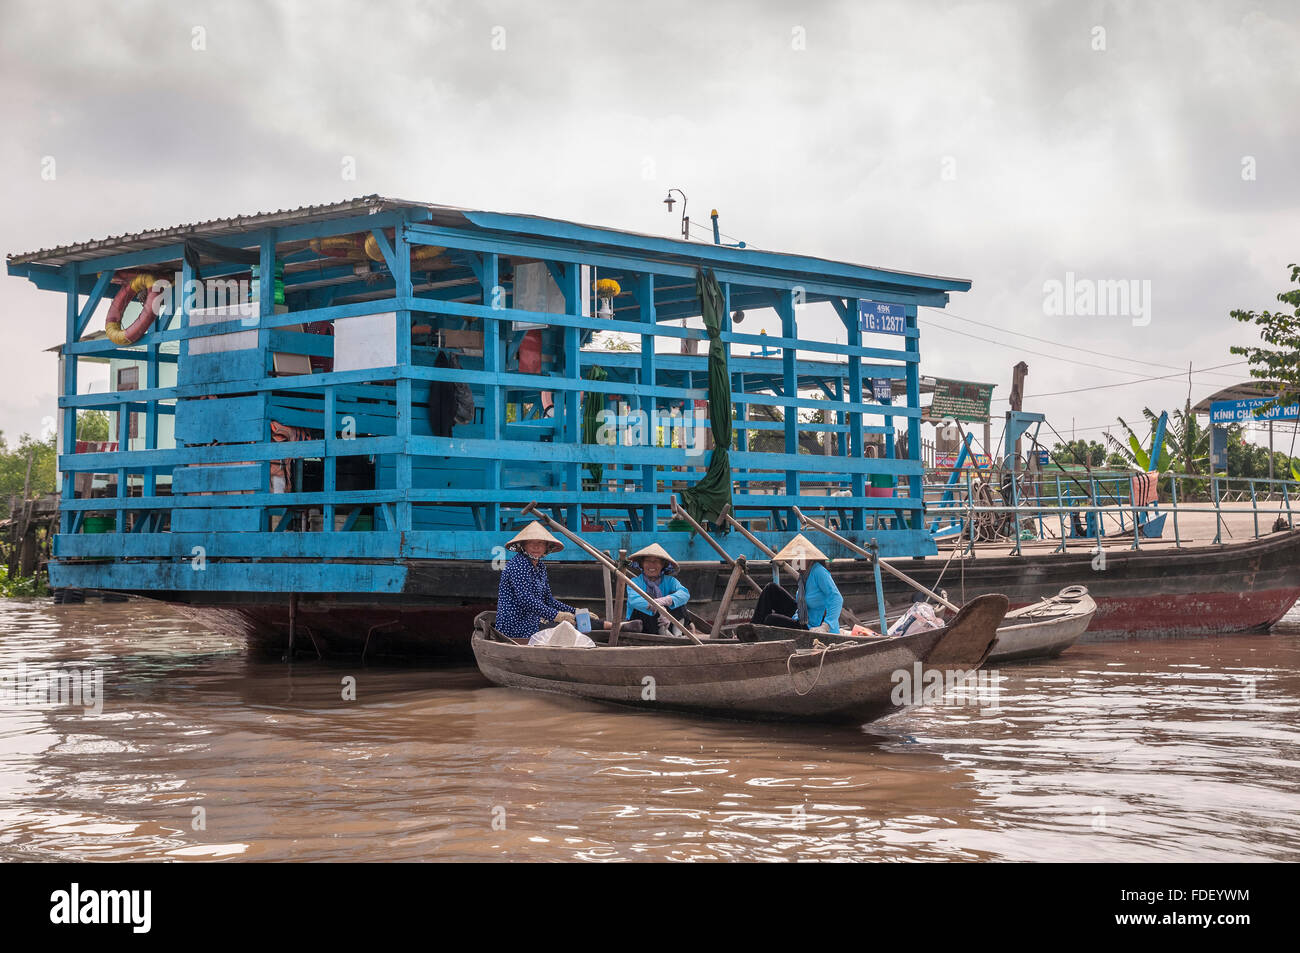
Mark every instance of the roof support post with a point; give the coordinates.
(69, 389)
(571, 400)
(915, 483)
(400, 265)
(649, 483)
(786, 304)
(493, 363)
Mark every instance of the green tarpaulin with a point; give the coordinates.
(592, 404)
(707, 498)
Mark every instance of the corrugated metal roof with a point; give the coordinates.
(1246, 390)
(216, 228)
(442, 215)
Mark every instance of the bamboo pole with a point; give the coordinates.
(532, 510)
(854, 547)
(681, 513)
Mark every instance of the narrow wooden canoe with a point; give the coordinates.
(1044, 629)
(790, 679)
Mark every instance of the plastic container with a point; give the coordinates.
(583, 620)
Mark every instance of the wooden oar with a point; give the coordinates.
(854, 547)
(771, 555)
(734, 524)
(680, 512)
(532, 510)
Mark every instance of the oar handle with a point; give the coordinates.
(854, 547)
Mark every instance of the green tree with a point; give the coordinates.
(1079, 453)
(1279, 360)
(92, 425)
(14, 468)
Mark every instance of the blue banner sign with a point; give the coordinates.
(881, 318)
(1242, 411)
(882, 388)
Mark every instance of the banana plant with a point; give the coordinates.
(1186, 447)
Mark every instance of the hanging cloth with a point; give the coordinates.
(592, 404)
(706, 499)
(442, 401)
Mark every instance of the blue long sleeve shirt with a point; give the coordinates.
(524, 600)
(668, 586)
(823, 598)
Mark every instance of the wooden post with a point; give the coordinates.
(620, 600)
(609, 592)
(737, 570)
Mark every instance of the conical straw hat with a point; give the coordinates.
(654, 549)
(535, 530)
(800, 550)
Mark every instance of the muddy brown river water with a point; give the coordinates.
(1172, 750)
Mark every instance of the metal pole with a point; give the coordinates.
(880, 586)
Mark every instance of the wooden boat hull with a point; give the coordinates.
(769, 680)
(1043, 630)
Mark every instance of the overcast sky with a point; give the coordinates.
(1009, 143)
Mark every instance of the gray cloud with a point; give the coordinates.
(1122, 163)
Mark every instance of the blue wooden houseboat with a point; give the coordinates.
(327, 420)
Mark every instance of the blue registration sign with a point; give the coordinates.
(881, 317)
(1243, 411)
(882, 388)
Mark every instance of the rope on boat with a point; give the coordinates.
(794, 681)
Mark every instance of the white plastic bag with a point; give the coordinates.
(917, 619)
(564, 636)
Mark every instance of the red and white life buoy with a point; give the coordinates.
(133, 286)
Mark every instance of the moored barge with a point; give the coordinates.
(326, 421)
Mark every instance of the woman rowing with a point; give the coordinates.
(658, 579)
(817, 603)
(525, 604)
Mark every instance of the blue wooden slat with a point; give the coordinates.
(216, 479)
(225, 520)
(227, 420)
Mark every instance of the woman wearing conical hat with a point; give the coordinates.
(524, 601)
(659, 581)
(817, 603)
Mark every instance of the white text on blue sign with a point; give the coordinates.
(881, 317)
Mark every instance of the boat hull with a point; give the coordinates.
(768, 681)
(1208, 590)
(1026, 637)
